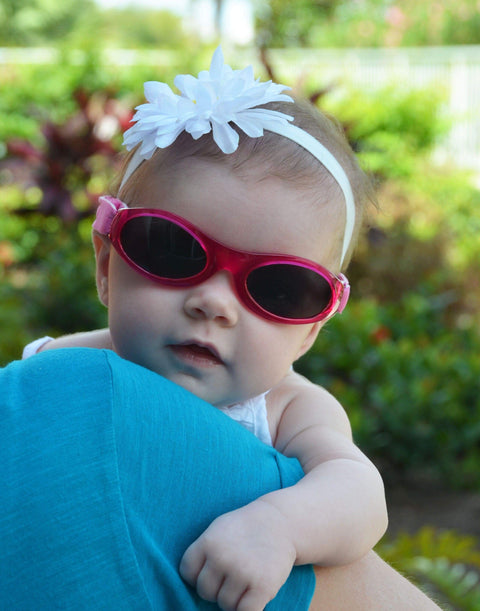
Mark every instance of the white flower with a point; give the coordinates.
(210, 102)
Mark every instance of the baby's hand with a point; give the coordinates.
(242, 559)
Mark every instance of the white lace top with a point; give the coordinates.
(252, 414)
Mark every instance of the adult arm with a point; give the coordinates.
(369, 584)
(108, 473)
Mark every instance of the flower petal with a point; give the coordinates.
(252, 128)
(167, 138)
(205, 98)
(186, 84)
(225, 136)
(155, 90)
(217, 63)
(198, 127)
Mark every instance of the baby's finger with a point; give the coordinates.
(209, 583)
(192, 564)
(229, 594)
(255, 599)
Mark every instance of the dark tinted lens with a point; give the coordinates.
(289, 291)
(162, 248)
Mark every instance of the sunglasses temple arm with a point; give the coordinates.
(106, 211)
(344, 295)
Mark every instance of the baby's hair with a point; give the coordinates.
(270, 155)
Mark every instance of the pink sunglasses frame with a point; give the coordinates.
(113, 214)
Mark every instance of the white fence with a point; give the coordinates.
(455, 70)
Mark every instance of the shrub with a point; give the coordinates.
(391, 128)
(410, 386)
(47, 280)
(369, 23)
(31, 95)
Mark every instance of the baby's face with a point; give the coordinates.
(202, 337)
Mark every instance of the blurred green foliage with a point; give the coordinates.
(278, 23)
(84, 24)
(32, 94)
(375, 119)
(366, 23)
(129, 28)
(30, 22)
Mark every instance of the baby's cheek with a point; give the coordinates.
(128, 333)
(265, 369)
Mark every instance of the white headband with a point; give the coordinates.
(211, 102)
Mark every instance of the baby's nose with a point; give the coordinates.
(214, 299)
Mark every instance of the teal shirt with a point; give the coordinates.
(107, 473)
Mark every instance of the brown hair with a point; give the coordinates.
(273, 155)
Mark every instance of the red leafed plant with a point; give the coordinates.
(71, 154)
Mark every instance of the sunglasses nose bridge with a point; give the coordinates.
(228, 259)
(236, 263)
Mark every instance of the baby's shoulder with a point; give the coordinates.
(295, 392)
(295, 386)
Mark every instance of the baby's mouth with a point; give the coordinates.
(197, 354)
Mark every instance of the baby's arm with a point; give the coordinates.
(334, 515)
(89, 339)
(337, 512)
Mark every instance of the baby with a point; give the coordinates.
(220, 261)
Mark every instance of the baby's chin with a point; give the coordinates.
(218, 398)
(201, 388)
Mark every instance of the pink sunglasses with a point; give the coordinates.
(171, 251)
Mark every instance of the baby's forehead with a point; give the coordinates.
(305, 178)
(309, 184)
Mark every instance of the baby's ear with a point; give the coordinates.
(102, 247)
